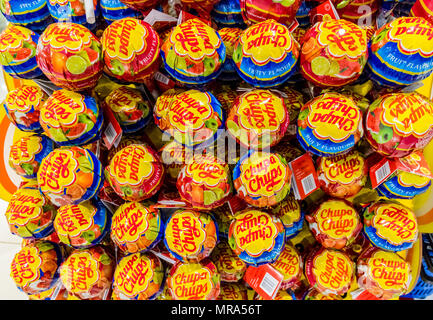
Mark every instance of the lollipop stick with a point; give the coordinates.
(90, 11)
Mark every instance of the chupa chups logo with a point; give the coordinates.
(62, 108)
(231, 292)
(80, 272)
(388, 270)
(413, 35)
(25, 149)
(230, 35)
(408, 114)
(336, 220)
(288, 210)
(57, 171)
(288, 262)
(14, 37)
(408, 179)
(333, 117)
(130, 222)
(123, 99)
(185, 233)
(133, 274)
(206, 168)
(191, 284)
(255, 232)
(24, 99)
(228, 260)
(162, 105)
(25, 205)
(132, 165)
(263, 174)
(267, 41)
(25, 266)
(332, 270)
(342, 38)
(395, 224)
(175, 155)
(343, 168)
(195, 39)
(73, 38)
(72, 220)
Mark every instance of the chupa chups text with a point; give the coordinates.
(135, 273)
(251, 228)
(191, 285)
(342, 165)
(268, 34)
(288, 262)
(421, 27)
(185, 109)
(411, 107)
(21, 267)
(345, 41)
(63, 35)
(393, 272)
(128, 222)
(26, 95)
(185, 232)
(339, 220)
(189, 34)
(263, 175)
(79, 273)
(64, 218)
(336, 271)
(56, 168)
(397, 219)
(128, 161)
(260, 109)
(122, 34)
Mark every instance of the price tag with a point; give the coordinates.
(304, 177)
(264, 279)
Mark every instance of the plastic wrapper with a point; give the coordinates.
(82, 225)
(229, 37)
(194, 281)
(138, 276)
(131, 50)
(70, 176)
(302, 15)
(87, 273)
(26, 154)
(18, 52)
(227, 14)
(342, 176)
(283, 11)
(330, 124)
(136, 227)
(335, 223)
(290, 213)
(329, 271)
(334, 53)
(30, 14)
(394, 128)
(74, 11)
(262, 179)
(190, 236)
(230, 267)
(256, 237)
(193, 53)
(384, 274)
(113, 10)
(30, 214)
(258, 119)
(398, 57)
(22, 107)
(204, 182)
(124, 142)
(130, 109)
(233, 291)
(266, 54)
(201, 8)
(294, 100)
(135, 172)
(34, 268)
(174, 156)
(390, 226)
(141, 5)
(314, 294)
(360, 12)
(193, 118)
(223, 216)
(70, 56)
(226, 98)
(422, 8)
(290, 265)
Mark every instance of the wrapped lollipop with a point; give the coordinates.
(192, 117)
(384, 274)
(193, 53)
(135, 172)
(227, 14)
(283, 11)
(75, 11)
(131, 50)
(136, 227)
(390, 226)
(342, 176)
(335, 223)
(266, 54)
(30, 214)
(314, 294)
(34, 268)
(330, 124)
(205, 182)
(334, 53)
(174, 156)
(113, 10)
(194, 281)
(424, 9)
(129, 107)
(202, 8)
(33, 15)
(230, 267)
(124, 142)
(256, 237)
(290, 265)
(18, 52)
(360, 12)
(223, 217)
(88, 273)
(291, 215)
(70, 56)
(190, 236)
(233, 291)
(26, 154)
(262, 179)
(23, 106)
(70, 176)
(398, 57)
(138, 276)
(141, 5)
(82, 225)
(404, 185)
(329, 271)
(393, 129)
(229, 36)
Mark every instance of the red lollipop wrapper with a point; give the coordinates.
(283, 11)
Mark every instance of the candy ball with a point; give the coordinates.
(193, 53)
(174, 156)
(70, 118)
(136, 227)
(22, 106)
(113, 10)
(290, 265)
(229, 36)
(34, 268)
(30, 14)
(266, 54)
(329, 124)
(283, 11)
(201, 8)
(70, 176)
(73, 11)
(135, 172)
(227, 14)
(291, 215)
(26, 154)
(230, 267)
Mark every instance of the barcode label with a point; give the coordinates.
(383, 172)
(161, 78)
(110, 133)
(269, 284)
(308, 184)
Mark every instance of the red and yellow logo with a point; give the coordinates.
(24, 99)
(123, 99)
(24, 206)
(206, 168)
(25, 149)
(288, 263)
(288, 211)
(73, 220)
(191, 282)
(13, 37)
(80, 272)
(25, 266)
(129, 222)
(343, 169)
(71, 36)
